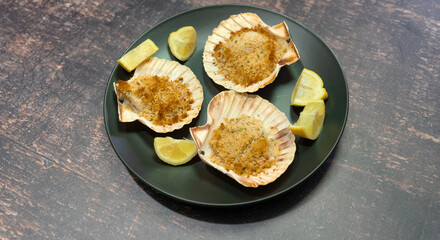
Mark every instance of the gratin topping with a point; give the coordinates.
(240, 144)
(248, 56)
(159, 100)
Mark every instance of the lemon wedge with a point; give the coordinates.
(308, 88)
(182, 42)
(310, 121)
(137, 55)
(174, 151)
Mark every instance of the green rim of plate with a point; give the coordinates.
(195, 182)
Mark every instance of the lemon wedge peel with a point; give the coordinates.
(309, 87)
(182, 43)
(310, 121)
(174, 151)
(137, 55)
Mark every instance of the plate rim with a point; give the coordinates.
(254, 201)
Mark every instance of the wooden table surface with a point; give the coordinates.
(61, 179)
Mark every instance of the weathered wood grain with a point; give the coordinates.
(61, 179)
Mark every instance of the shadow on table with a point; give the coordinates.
(249, 213)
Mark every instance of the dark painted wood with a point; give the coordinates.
(61, 179)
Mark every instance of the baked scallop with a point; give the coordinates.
(246, 137)
(245, 54)
(163, 95)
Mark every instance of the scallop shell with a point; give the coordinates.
(233, 24)
(230, 104)
(161, 67)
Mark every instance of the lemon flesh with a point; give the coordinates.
(308, 88)
(310, 121)
(182, 42)
(137, 55)
(174, 151)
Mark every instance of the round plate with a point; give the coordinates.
(195, 182)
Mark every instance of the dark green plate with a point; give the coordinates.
(195, 182)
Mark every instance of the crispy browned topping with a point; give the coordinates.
(240, 145)
(159, 100)
(248, 56)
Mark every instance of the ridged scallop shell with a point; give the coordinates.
(174, 70)
(233, 24)
(230, 104)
